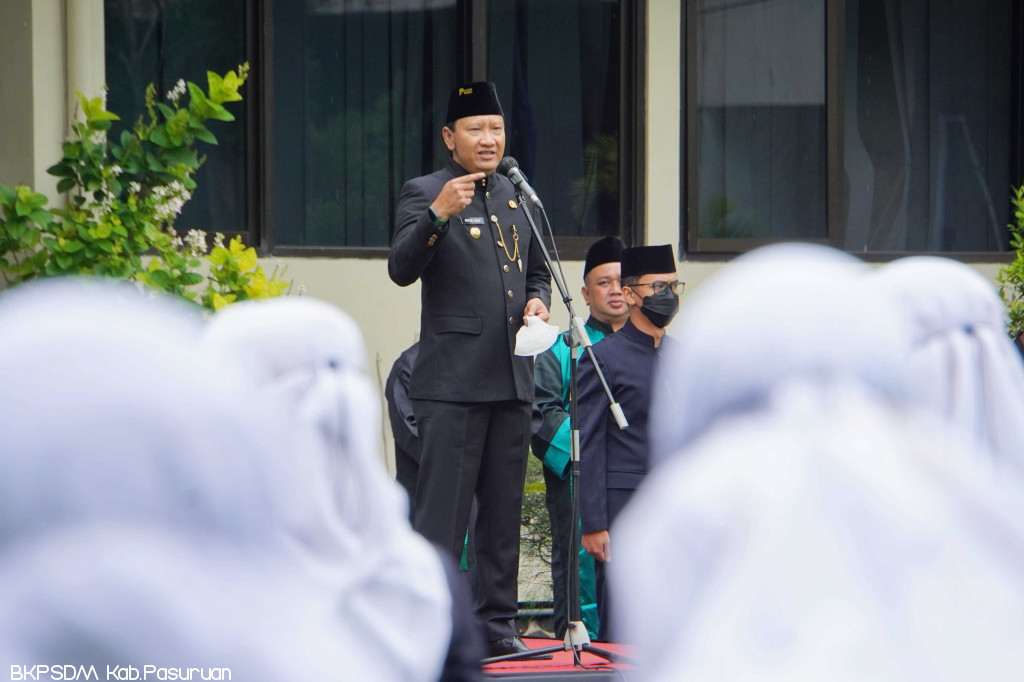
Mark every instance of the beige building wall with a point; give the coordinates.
(17, 164)
(49, 49)
(18, 92)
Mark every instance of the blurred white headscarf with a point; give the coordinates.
(782, 312)
(109, 411)
(310, 355)
(124, 594)
(963, 365)
(111, 415)
(805, 522)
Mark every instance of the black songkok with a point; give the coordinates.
(645, 260)
(607, 250)
(473, 99)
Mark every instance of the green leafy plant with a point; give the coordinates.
(123, 200)
(535, 523)
(600, 176)
(721, 219)
(1011, 276)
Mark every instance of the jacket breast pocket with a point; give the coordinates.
(457, 324)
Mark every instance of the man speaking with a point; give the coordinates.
(460, 232)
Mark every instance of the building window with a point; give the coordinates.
(558, 69)
(358, 97)
(878, 126)
(760, 120)
(358, 94)
(346, 102)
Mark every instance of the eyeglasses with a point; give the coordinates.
(658, 286)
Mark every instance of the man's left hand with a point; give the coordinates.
(536, 307)
(598, 545)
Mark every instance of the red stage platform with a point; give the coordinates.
(561, 666)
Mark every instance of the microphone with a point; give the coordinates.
(510, 167)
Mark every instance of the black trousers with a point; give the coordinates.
(558, 500)
(466, 648)
(617, 500)
(467, 450)
(407, 469)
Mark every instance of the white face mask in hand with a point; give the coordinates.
(535, 337)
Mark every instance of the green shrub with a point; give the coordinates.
(123, 198)
(1011, 277)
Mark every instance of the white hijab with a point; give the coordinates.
(963, 365)
(122, 594)
(785, 311)
(111, 417)
(108, 411)
(806, 523)
(310, 356)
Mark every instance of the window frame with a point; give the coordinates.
(697, 248)
(471, 65)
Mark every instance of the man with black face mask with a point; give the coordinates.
(613, 462)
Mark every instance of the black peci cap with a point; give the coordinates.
(473, 99)
(644, 260)
(607, 250)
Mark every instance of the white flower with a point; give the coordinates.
(98, 137)
(175, 94)
(195, 242)
(115, 170)
(173, 198)
(218, 240)
(134, 187)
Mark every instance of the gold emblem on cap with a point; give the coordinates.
(474, 232)
(511, 203)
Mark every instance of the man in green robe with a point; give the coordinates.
(551, 430)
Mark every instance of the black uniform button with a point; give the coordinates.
(512, 320)
(510, 294)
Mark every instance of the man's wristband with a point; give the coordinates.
(434, 217)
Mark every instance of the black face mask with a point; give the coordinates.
(661, 307)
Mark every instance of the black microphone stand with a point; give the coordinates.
(576, 637)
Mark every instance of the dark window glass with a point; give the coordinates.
(557, 69)
(760, 118)
(881, 126)
(359, 93)
(926, 117)
(160, 42)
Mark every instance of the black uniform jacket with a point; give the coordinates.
(611, 458)
(473, 295)
(396, 393)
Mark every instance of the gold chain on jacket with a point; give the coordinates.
(515, 241)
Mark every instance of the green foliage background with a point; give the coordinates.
(1011, 277)
(123, 199)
